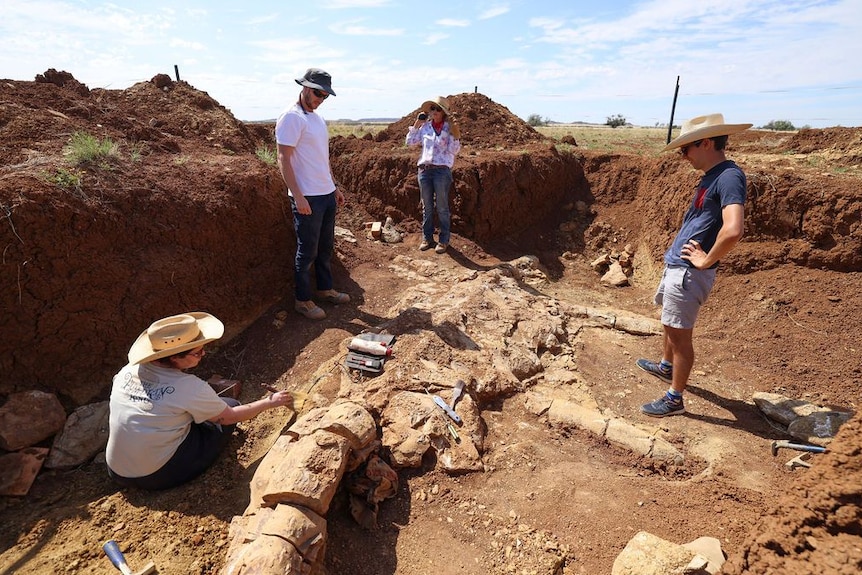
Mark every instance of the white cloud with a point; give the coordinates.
(264, 19)
(493, 12)
(452, 22)
(353, 28)
(185, 44)
(432, 39)
(344, 4)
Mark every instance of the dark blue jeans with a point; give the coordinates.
(434, 184)
(315, 241)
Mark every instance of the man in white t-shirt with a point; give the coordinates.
(303, 159)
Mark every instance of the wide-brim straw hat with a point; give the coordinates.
(703, 127)
(175, 334)
(440, 101)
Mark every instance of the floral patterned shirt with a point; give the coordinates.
(437, 149)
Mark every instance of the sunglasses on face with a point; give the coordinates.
(684, 149)
(435, 108)
(320, 93)
(198, 354)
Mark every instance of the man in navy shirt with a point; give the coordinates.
(712, 225)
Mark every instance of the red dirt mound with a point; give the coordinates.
(184, 215)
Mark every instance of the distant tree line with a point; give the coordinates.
(537, 121)
(782, 126)
(618, 120)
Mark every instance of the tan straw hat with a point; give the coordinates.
(175, 334)
(439, 101)
(703, 127)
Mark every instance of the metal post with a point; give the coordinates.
(672, 110)
(177, 72)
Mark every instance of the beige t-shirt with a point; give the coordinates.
(152, 410)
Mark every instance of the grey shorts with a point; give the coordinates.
(680, 294)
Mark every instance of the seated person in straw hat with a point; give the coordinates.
(711, 227)
(167, 426)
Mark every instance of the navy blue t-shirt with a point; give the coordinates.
(722, 185)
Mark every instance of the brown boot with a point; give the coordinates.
(309, 309)
(333, 296)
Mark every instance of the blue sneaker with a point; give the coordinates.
(663, 406)
(654, 368)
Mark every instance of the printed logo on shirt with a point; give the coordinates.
(145, 391)
(699, 197)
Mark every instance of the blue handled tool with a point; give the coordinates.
(445, 407)
(448, 410)
(112, 550)
(776, 445)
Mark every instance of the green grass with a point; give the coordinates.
(135, 154)
(566, 148)
(645, 141)
(71, 180)
(266, 154)
(358, 129)
(84, 148)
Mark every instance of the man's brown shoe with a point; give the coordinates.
(309, 309)
(425, 245)
(333, 296)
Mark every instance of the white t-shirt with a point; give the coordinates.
(308, 135)
(152, 409)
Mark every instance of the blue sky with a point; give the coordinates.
(565, 60)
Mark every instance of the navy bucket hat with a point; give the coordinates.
(317, 78)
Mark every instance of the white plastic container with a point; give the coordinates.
(370, 347)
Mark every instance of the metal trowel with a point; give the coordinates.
(457, 390)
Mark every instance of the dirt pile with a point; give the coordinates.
(813, 529)
(503, 166)
(186, 216)
(182, 216)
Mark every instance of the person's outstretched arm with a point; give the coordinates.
(234, 414)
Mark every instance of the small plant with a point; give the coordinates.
(135, 153)
(266, 154)
(84, 148)
(616, 121)
(67, 179)
(181, 160)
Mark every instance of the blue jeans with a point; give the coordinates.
(315, 241)
(434, 184)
